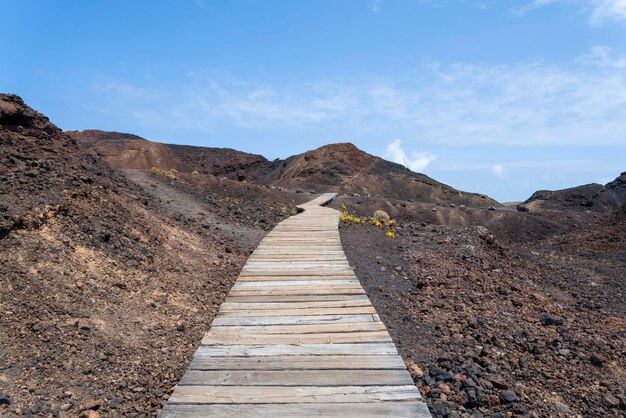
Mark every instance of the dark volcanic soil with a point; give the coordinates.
(107, 285)
(491, 329)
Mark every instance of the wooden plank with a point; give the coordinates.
(287, 273)
(298, 329)
(358, 310)
(319, 338)
(308, 266)
(246, 350)
(327, 378)
(291, 394)
(286, 285)
(296, 298)
(260, 278)
(293, 320)
(233, 306)
(405, 409)
(297, 264)
(303, 362)
(356, 290)
(298, 257)
(335, 284)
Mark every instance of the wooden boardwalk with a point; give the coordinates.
(297, 337)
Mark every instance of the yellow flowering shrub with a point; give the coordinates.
(389, 226)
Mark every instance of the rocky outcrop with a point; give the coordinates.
(594, 197)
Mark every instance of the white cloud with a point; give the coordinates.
(604, 57)
(528, 103)
(608, 10)
(417, 162)
(498, 170)
(535, 4)
(599, 11)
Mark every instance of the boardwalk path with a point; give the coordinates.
(297, 337)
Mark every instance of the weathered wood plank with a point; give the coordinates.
(357, 310)
(258, 278)
(298, 329)
(287, 273)
(328, 378)
(335, 284)
(319, 338)
(296, 298)
(296, 349)
(406, 409)
(233, 306)
(291, 394)
(302, 362)
(293, 320)
(356, 290)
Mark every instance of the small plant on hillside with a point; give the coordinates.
(171, 173)
(195, 173)
(389, 226)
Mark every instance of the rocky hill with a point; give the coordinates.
(337, 167)
(594, 197)
(107, 286)
(344, 168)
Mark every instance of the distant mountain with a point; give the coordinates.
(345, 168)
(337, 167)
(594, 197)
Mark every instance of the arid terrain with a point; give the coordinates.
(116, 252)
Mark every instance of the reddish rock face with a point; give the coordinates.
(338, 167)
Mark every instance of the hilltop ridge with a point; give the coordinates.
(340, 167)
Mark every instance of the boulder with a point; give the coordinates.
(381, 216)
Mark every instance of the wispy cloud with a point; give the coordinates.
(498, 170)
(525, 8)
(418, 161)
(600, 12)
(524, 104)
(608, 10)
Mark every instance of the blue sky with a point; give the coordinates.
(499, 97)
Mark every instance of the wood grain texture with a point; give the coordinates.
(297, 337)
(303, 362)
(346, 410)
(290, 394)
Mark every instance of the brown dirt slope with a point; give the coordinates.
(127, 151)
(106, 289)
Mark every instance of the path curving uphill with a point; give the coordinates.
(297, 337)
